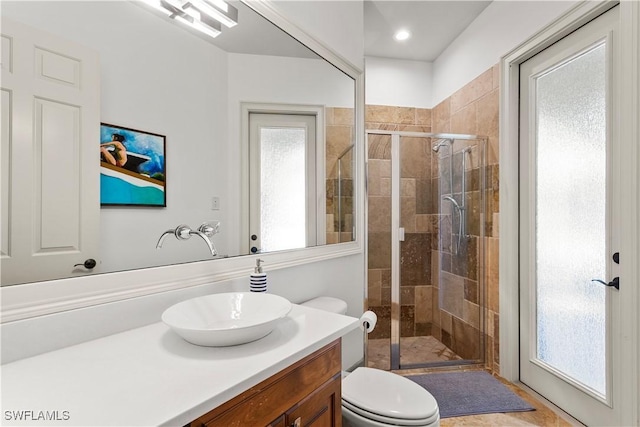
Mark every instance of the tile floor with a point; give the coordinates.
(412, 350)
(417, 349)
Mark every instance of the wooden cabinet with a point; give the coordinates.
(307, 393)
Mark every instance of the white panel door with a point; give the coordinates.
(50, 150)
(569, 220)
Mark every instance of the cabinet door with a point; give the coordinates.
(281, 421)
(322, 408)
(296, 390)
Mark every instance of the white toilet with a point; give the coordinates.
(372, 397)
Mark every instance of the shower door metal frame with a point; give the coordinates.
(395, 243)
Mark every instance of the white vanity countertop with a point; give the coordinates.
(150, 376)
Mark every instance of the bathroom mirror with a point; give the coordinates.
(157, 77)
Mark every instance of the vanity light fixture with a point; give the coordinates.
(200, 15)
(221, 12)
(401, 35)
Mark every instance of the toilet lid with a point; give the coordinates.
(388, 395)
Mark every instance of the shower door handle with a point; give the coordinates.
(401, 234)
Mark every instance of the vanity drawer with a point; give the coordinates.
(309, 389)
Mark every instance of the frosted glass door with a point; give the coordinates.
(283, 196)
(567, 229)
(570, 218)
(282, 182)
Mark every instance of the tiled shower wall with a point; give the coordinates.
(456, 322)
(474, 110)
(339, 136)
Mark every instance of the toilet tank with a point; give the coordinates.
(334, 305)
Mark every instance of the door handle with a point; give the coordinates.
(615, 283)
(88, 264)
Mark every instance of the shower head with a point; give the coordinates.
(436, 147)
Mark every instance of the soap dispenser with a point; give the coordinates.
(258, 279)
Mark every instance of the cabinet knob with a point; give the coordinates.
(297, 422)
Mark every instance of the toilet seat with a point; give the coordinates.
(379, 420)
(388, 398)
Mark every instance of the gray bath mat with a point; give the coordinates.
(470, 393)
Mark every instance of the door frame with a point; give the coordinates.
(629, 115)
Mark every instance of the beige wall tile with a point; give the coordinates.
(379, 215)
(407, 187)
(423, 117)
(471, 313)
(330, 223)
(440, 116)
(465, 121)
(489, 318)
(493, 151)
(408, 214)
(492, 274)
(374, 277)
(379, 147)
(435, 267)
(379, 114)
(488, 114)
(374, 176)
(423, 223)
(333, 237)
(452, 293)
(424, 309)
(405, 115)
(474, 90)
(415, 161)
(343, 116)
(385, 187)
(373, 295)
(496, 75)
(446, 321)
(338, 138)
(414, 128)
(328, 116)
(390, 114)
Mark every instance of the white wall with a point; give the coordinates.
(398, 82)
(501, 27)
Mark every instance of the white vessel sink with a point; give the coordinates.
(225, 319)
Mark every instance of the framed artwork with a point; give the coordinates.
(132, 167)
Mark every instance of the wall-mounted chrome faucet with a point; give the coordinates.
(184, 232)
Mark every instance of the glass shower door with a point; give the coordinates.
(441, 210)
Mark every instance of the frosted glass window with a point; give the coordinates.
(570, 218)
(283, 188)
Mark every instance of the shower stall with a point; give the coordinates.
(426, 238)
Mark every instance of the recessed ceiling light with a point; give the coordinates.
(402, 35)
